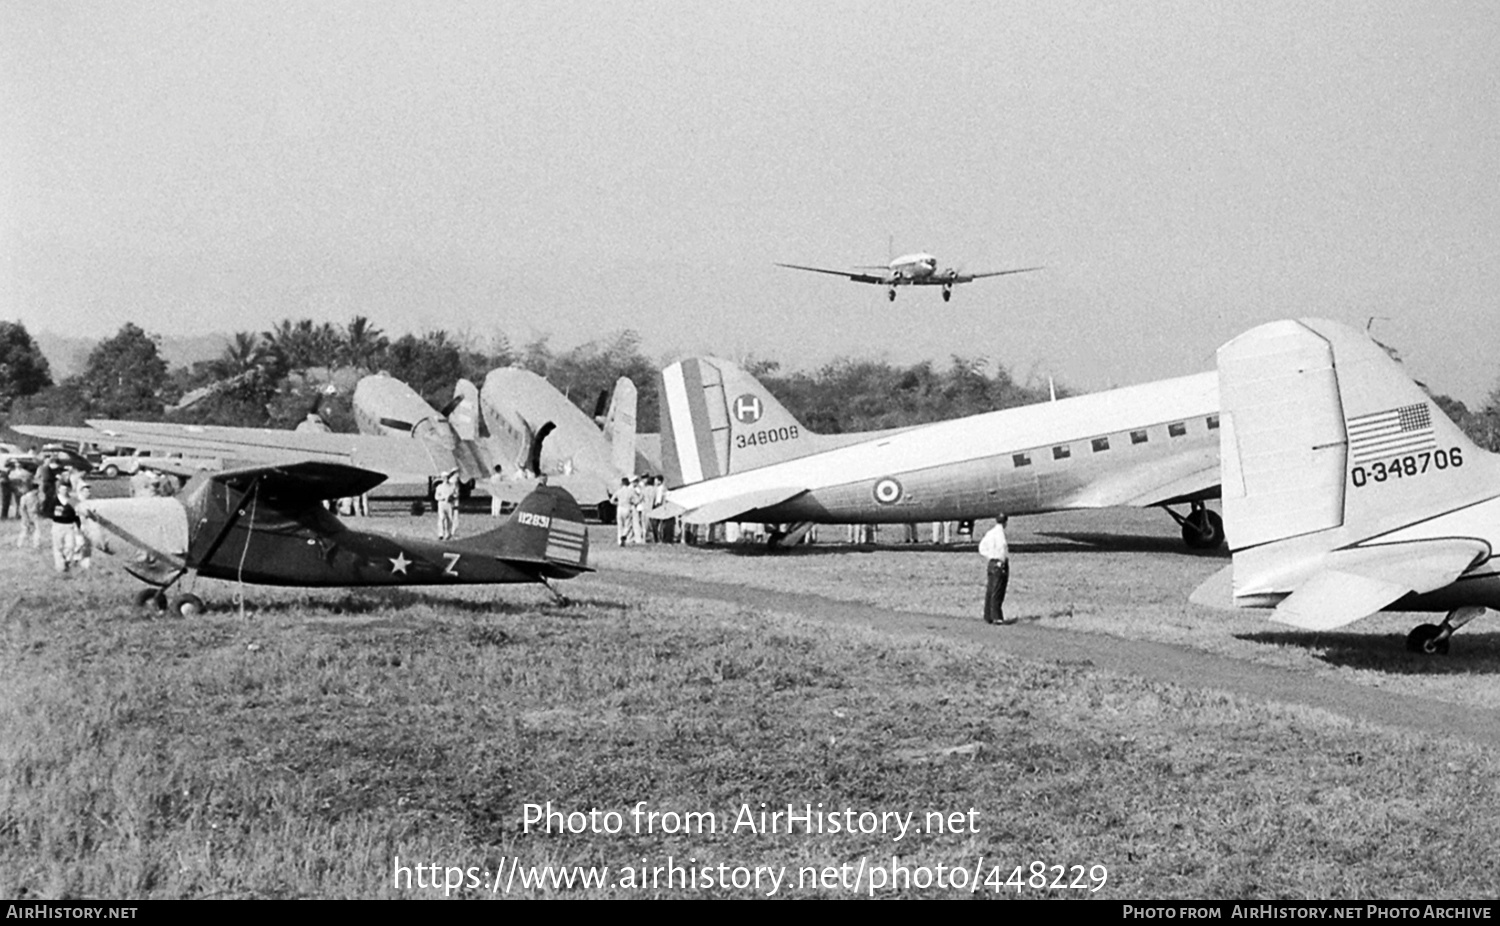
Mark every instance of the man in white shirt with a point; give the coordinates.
(995, 549)
(497, 492)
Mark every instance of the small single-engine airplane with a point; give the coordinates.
(267, 525)
(920, 269)
(1346, 489)
(731, 452)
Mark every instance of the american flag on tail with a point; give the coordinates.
(565, 541)
(1392, 433)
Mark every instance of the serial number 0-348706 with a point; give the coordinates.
(767, 436)
(1403, 467)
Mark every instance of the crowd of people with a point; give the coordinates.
(56, 499)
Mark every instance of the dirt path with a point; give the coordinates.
(1157, 661)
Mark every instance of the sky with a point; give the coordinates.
(1182, 171)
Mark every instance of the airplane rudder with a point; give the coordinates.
(689, 454)
(551, 526)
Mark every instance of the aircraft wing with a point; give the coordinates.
(302, 484)
(62, 434)
(1184, 477)
(401, 460)
(966, 277)
(713, 510)
(856, 277)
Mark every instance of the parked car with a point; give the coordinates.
(26, 458)
(130, 463)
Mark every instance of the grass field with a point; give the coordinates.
(298, 751)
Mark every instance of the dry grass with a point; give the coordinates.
(297, 752)
(1121, 573)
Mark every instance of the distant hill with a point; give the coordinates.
(68, 355)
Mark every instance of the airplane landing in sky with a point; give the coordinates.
(919, 269)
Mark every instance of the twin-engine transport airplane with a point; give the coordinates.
(267, 525)
(919, 269)
(1346, 490)
(731, 452)
(578, 455)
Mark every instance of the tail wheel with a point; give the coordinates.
(1203, 530)
(1427, 639)
(187, 606)
(152, 599)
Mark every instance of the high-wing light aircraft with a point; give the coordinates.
(1346, 490)
(920, 269)
(267, 525)
(732, 452)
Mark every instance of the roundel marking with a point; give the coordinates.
(747, 409)
(888, 491)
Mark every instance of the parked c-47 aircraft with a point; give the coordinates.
(919, 269)
(267, 525)
(732, 452)
(1346, 490)
(580, 456)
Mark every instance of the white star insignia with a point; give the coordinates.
(399, 563)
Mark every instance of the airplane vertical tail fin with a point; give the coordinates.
(547, 527)
(465, 414)
(619, 426)
(717, 420)
(1327, 449)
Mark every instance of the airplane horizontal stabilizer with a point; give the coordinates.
(1217, 591)
(726, 509)
(1361, 581)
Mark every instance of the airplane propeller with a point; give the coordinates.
(534, 455)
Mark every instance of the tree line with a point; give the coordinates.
(274, 378)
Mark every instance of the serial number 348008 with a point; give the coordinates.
(1403, 467)
(767, 436)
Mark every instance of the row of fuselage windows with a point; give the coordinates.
(1102, 444)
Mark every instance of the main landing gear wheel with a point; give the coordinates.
(1432, 639)
(947, 294)
(1428, 639)
(890, 295)
(1203, 530)
(187, 606)
(152, 599)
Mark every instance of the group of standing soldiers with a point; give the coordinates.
(634, 501)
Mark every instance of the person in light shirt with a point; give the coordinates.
(996, 550)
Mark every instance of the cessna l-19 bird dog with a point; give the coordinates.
(1346, 490)
(919, 269)
(731, 452)
(267, 525)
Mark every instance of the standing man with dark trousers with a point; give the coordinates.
(996, 550)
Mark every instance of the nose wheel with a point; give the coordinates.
(1432, 639)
